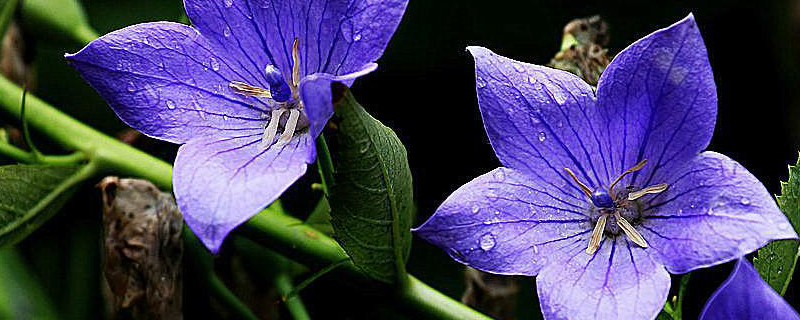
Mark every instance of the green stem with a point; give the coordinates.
(112, 155)
(681, 294)
(325, 164)
(23, 156)
(284, 234)
(226, 297)
(283, 282)
(201, 260)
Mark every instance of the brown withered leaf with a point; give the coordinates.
(496, 295)
(143, 250)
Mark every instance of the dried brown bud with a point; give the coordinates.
(496, 295)
(143, 250)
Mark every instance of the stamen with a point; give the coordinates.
(289, 128)
(597, 234)
(630, 231)
(649, 190)
(248, 90)
(583, 187)
(277, 85)
(272, 128)
(296, 63)
(635, 168)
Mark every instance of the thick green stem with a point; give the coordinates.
(112, 155)
(284, 234)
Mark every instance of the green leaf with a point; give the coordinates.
(32, 194)
(371, 199)
(776, 261)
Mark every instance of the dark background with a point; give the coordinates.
(424, 90)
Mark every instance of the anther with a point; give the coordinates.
(296, 63)
(635, 168)
(289, 128)
(597, 234)
(278, 88)
(272, 128)
(654, 189)
(248, 90)
(632, 234)
(583, 187)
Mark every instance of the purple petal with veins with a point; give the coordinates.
(629, 155)
(745, 296)
(206, 86)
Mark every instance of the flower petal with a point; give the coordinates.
(315, 92)
(541, 120)
(504, 222)
(714, 211)
(336, 36)
(221, 183)
(164, 80)
(660, 103)
(745, 296)
(620, 281)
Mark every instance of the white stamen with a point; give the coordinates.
(597, 234)
(658, 188)
(630, 231)
(288, 130)
(272, 128)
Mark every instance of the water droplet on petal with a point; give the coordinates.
(475, 209)
(357, 37)
(487, 242)
(170, 105)
(214, 64)
(228, 3)
(531, 80)
(542, 136)
(226, 32)
(480, 82)
(535, 249)
(745, 201)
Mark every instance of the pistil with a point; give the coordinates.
(606, 202)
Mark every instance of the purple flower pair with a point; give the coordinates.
(246, 89)
(605, 191)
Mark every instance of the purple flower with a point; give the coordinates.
(604, 191)
(745, 296)
(245, 90)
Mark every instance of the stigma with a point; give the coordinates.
(615, 209)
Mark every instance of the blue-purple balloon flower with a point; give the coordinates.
(605, 191)
(246, 89)
(745, 296)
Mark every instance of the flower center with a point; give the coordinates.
(615, 210)
(287, 111)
